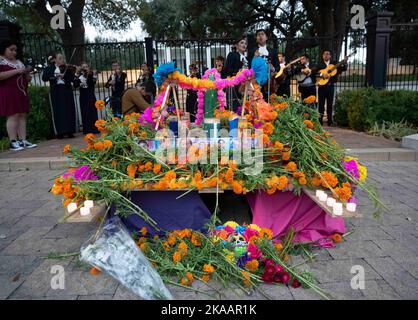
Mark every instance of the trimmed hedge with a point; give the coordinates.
(39, 125)
(361, 109)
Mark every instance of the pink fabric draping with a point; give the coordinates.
(284, 210)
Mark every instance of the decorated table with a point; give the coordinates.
(149, 169)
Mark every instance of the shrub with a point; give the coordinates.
(39, 125)
(361, 109)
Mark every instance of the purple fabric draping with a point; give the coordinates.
(170, 213)
(284, 210)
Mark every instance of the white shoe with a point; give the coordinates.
(15, 146)
(27, 144)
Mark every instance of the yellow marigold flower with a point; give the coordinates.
(266, 233)
(363, 173)
(208, 268)
(255, 227)
(231, 224)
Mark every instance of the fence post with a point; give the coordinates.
(378, 36)
(149, 53)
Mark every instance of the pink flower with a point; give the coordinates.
(253, 251)
(286, 278)
(229, 229)
(249, 233)
(279, 268)
(296, 284)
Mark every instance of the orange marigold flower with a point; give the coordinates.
(205, 278)
(100, 124)
(268, 128)
(278, 246)
(56, 190)
(229, 175)
(337, 238)
(107, 144)
(184, 281)
(291, 166)
(237, 187)
(195, 240)
(171, 240)
(99, 104)
(143, 231)
(114, 163)
(344, 193)
(67, 148)
(88, 137)
(330, 179)
(310, 99)
(302, 181)
(176, 257)
(278, 146)
(94, 271)
(266, 233)
(316, 181)
(247, 278)
(148, 166)
(170, 175)
(208, 268)
(308, 123)
(266, 138)
(189, 276)
(143, 246)
(182, 247)
(98, 146)
(306, 115)
(286, 156)
(252, 265)
(157, 168)
(131, 170)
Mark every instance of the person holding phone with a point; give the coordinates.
(14, 98)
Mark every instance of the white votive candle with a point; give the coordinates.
(351, 207)
(71, 207)
(323, 197)
(89, 204)
(331, 201)
(84, 211)
(337, 209)
(318, 193)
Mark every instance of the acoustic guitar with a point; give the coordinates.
(332, 70)
(281, 75)
(300, 77)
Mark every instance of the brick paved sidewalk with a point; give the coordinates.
(387, 249)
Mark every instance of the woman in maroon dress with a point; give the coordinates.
(14, 99)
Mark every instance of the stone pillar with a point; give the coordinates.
(378, 37)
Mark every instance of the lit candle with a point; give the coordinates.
(72, 206)
(323, 197)
(84, 211)
(337, 209)
(318, 193)
(351, 207)
(330, 202)
(89, 204)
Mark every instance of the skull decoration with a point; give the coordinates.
(238, 240)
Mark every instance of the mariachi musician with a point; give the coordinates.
(61, 77)
(305, 75)
(269, 55)
(326, 92)
(283, 82)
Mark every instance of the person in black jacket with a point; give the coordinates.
(117, 83)
(60, 79)
(283, 83)
(235, 61)
(85, 79)
(326, 92)
(269, 54)
(306, 77)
